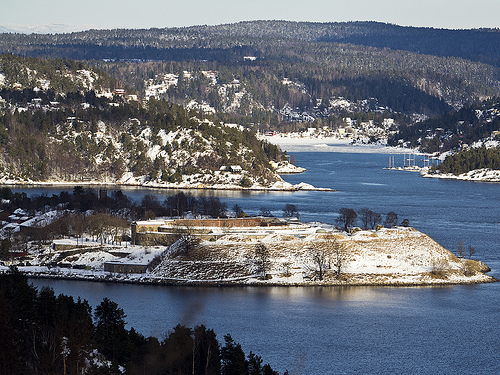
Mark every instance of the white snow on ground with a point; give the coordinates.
(387, 257)
(43, 219)
(479, 175)
(228, 181)
(318, 144)
(286, 168)
(399, 256)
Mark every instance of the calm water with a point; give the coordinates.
(450, 330)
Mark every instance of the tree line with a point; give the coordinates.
(348, 217)
(47, 334)
(117, 203)
(470, 159)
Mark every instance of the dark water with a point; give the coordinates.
(448, 330)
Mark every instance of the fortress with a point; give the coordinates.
(166, 232)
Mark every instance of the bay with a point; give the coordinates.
(356, 330)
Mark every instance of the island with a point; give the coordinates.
(256, 251)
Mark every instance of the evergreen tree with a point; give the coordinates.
(110, 331)
(233, 358)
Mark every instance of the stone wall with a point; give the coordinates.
(125, 268)
(154, 239)
(246, 222)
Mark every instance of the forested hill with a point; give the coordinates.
(58, 75)
(306, 53)
(58, 124)
(475, 45)
(477, 123)
(471, 159)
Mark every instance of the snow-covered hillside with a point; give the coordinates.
(201, 156)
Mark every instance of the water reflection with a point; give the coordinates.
(351, 329)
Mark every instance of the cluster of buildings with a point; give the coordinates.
(350, 129)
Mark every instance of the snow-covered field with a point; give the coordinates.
(330, 144)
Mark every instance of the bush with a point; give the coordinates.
(439, 268)
(246, 182)
(470, 267)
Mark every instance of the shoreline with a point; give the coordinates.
(292, 188)
(476, 175)
(387, 257)
(330, 144)
(260, 284)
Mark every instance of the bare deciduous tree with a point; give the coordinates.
(471, 250)
(391, 220)
(265, 212)
(262, 259)
(365, 215)
(290, 210)
(237, 210)
(339, 254)
(375, 220)
(187, 239)
(369, 219)
(347, 218)
(321, 257)
(460, 249)
(327, 253)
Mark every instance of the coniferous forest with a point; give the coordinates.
(471, 159)
(47, 334)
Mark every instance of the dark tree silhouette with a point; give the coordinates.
(347, 218)
(391, 219)
(233, 358)
(262, 260)
(110, 332)
(290, 210)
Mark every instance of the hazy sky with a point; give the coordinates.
(165, 13)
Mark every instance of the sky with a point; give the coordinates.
(452, 14)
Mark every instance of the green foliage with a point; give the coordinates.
(470, 159)
(246, 182)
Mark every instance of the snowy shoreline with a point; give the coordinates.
(484, 279)
(278, 186)
(330, 144)
(477, 175)
(386, 257)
